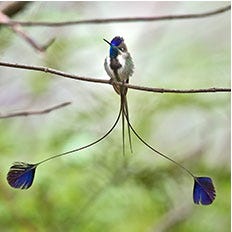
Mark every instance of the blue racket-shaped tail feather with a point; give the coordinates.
(203, 191)
(21, 175)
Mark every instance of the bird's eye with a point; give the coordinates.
(122, 49)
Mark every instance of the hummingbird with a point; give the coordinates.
(119, 66)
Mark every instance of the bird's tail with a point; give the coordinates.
(125, 113)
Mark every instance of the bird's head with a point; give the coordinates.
(117, 46)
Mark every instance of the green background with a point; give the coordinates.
(99, 189)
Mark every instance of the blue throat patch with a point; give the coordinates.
(113, 52)
(116, 41)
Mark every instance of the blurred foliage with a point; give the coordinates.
(98, 189)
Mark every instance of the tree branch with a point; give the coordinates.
(19, 31)
(104, 81)
(125, 19)
(12, 8)
(27, 113)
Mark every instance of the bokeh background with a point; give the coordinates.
(99, 189)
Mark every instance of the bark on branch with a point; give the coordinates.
(34, 112)
(125, 19)
(104, 81)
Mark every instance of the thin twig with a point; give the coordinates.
(21, 33)
(162, 90)
(13, 7)
(125, 19)
(36, 112)
(104, 81)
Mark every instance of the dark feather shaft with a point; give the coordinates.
(128, 127)
(125, 113)
(88, 145)
(123, 123)
(156, 151)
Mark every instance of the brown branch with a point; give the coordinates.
(104, 81)
(125, 19)
(12, 8)
(163, 90)
(18, 30)
(35, 112)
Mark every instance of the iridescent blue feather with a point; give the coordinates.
(113, 52)
(203, 191)
(117, 40)
(21, 175)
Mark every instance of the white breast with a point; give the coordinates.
(125, 71)
(109, 71)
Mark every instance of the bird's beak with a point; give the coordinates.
(107, 42)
